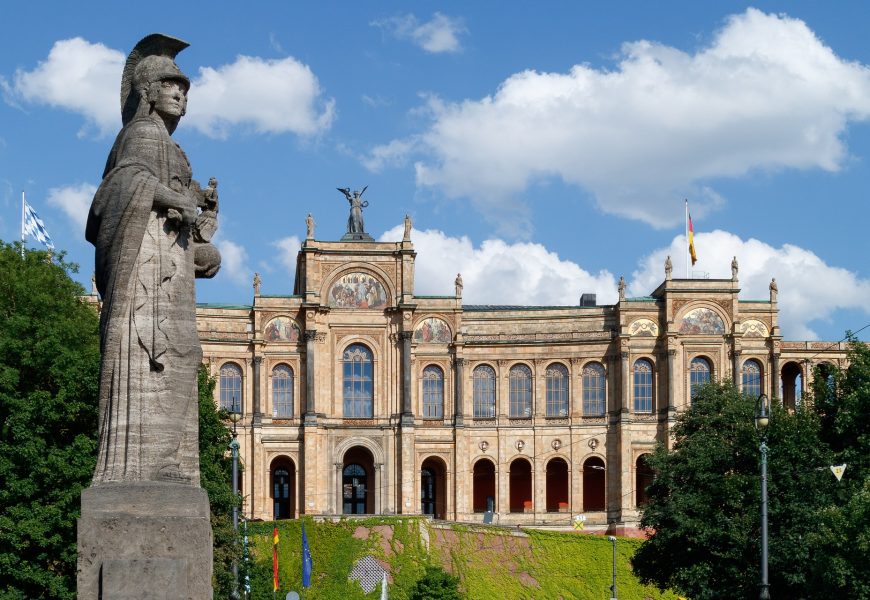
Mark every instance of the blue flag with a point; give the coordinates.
(307, 564)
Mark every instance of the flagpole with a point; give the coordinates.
(687, 238)
(22, 223)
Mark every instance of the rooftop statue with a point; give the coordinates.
(151, 224)
(355, 220)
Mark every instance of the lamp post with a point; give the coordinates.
(235, 416)
(613, 585)
(762, 420)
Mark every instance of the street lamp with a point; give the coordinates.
(613, 586)
(762, 420)
(235, 416)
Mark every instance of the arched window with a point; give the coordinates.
(483, 379)
(433, 392)
(752, 378)
(594, 398)
(231, 388)
(643, 386)
(557, 390)
(699, 374)
(359, 396)
(282, 392)
(521, 392)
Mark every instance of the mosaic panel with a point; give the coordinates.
(281, 329)
(357, 290)
(432, 331)
(702, 321)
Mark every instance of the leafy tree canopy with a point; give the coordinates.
(436, 584)
(49, 378)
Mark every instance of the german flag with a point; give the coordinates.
(692, 242)
(275, 559)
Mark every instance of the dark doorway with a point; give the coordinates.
(358, 483)
(557, 485)
(484, 485)
(594, 485)
(521, 486)
(283, 488)
(643, 477)
(433, 481)
(791, 385)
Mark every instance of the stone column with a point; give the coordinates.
(336, 504)
(458, 418)
(774, 380)
(379, 483)
(624, 384)
(257, 404)
(407, 408)
(672, 383)
(310, 417)
(735, 366)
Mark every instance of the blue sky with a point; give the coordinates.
(542, 150)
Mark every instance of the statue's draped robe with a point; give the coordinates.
(150, 349)
(355, 220)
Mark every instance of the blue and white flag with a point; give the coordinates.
(307, 564)
(33, 226)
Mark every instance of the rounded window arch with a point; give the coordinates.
(699, 374)
(643, 478)
(433, 392)
(282, 392)
(483, 392)
(643, 386)
(520, 391)
(557, 390)
(358, 391)
(231, 387)
(594, 390)
(751, 375)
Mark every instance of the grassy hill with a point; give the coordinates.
(491, 562)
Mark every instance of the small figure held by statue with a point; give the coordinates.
(355, 220)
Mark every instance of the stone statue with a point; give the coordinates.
(355, 220)
(408, 225)
(734, 269)
(309, 227)
(94, 285)
(150, 223)
(257, 282)
(458, 284)
(621, 288)
(151, 242)
(669, 267)
(774, 290)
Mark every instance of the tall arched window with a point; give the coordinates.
(433, 392)
(643, 386)
(521, 391)
(231, 388)
(282, 392)
(752, 378)
(358, 388)
(483, 379)
(699, 374)
(557, 390)
(594, 396)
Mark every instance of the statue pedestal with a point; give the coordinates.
(144, 541)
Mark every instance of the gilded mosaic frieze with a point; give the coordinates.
(282, 329)
(357, 290)
(702, 321)
(432, 331)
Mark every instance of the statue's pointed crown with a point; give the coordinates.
(152, 59)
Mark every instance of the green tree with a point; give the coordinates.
(704, 503)
(842, 536)
(49, 378)
(436, 584)
(216, 470)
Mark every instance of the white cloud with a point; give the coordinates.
(265, 96)
(268, 96)
(75, 201)
(497, 272)
(439, 34)
(809, 289)
(78, 76)
(288, 250)
(234, 261)
(765, 94)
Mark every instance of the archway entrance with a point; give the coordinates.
(643, 477)
(791, 385)
(557, 485)
(283, 492)
(484, 485)
(521, 486)
(358, 482)
(433, 484)
(594, 490)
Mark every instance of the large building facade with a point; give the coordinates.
(360, 397)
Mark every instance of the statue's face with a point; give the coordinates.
(171, 100)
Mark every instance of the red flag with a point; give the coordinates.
(692, 242)
(275, 560)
